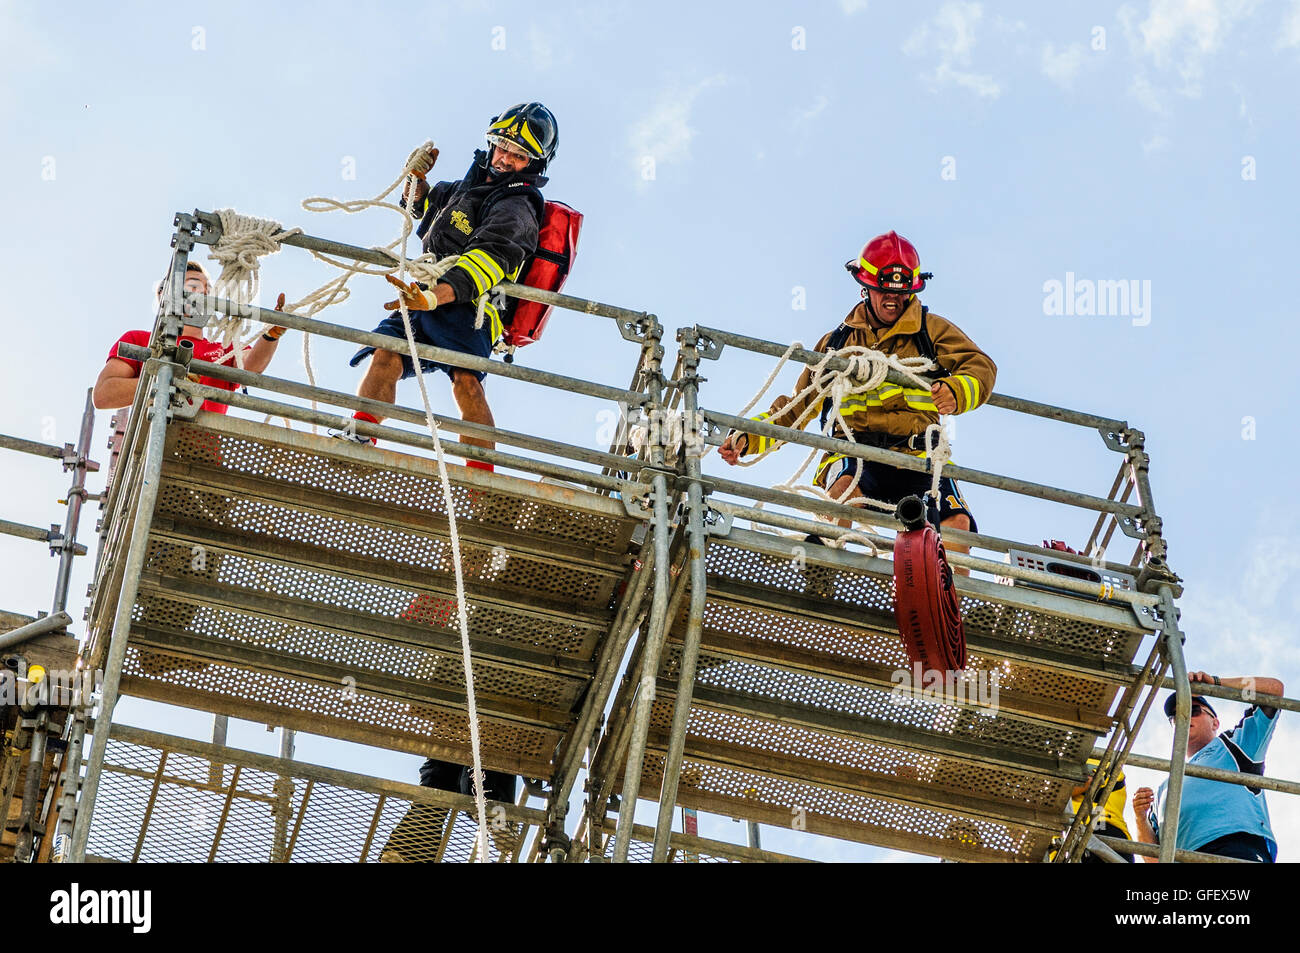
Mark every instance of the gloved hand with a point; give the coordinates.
(415, 298)
(422, 158)
(274, 333)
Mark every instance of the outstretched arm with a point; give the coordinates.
(115, 386)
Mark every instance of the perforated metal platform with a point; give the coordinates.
(308, 582)
(174, 800)
(796, 720)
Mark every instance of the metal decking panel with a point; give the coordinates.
(795, 719)
(166, 799)
(310, 583)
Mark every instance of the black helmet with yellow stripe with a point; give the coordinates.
(527, 127)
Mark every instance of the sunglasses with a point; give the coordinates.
(1196, 710)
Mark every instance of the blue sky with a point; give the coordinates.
(729, 158)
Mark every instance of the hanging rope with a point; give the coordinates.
(249, 240)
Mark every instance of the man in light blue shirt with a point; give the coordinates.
(1230, 820)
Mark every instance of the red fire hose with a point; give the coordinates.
(925, 599)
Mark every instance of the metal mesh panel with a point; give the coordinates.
(179, 813)
(877, 764)
(377, 600)
(772, 629)
(409, 491)
(871, 704)
(642, 852)
(734, 791)
(860, 589)
(292, 640)
(330, 708)
(393, 548)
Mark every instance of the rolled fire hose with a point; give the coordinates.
(925, 599)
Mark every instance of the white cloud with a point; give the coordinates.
(1062, 67)
(1181, 35)
(1155, 144)
(666, 133)
(1148, 95)
(951, 32)
(851, 7)
(1289, 34)
(1250, 623)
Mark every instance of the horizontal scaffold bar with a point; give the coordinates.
(396, 411)
(1238, 695)
(35, 449)
(1153, 850)
(957, 559)
(380, 432)
(1210, 774)
(220, 754)
(425, 351)
(25, 531)
(377, 256)
(690, 844)
(1017, 404)
(905, 461)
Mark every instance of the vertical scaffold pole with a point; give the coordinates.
(135, 558)
(654, 630)
(692, 446)
(1182, 724)
(76, 497)
(168, 328)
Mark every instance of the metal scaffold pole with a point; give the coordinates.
(692, 446)
(76, 497)
(655, 627)
(170, 326)
(1173, 642)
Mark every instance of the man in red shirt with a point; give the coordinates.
(116, 384)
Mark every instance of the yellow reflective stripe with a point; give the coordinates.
(870, 268)
(757, 442)
(529, 137)
(965, 391)
(482, 281)
(847, 409)
(829, 460)
(502, 123)
(974, 388)
(487, 263)
(920, 404)
(495, 326)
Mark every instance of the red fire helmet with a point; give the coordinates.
(889, 262)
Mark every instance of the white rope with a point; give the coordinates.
(426, 269)
(245, 239)
(866, 370)
(668, 430)
(480, 802)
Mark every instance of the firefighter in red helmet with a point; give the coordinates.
(890, 319)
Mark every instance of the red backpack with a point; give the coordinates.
(557, 244)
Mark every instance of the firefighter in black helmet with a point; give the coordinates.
(488, 220)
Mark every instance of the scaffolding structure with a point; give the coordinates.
(38, 666)
(624, 625)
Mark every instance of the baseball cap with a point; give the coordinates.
(1196, 700)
